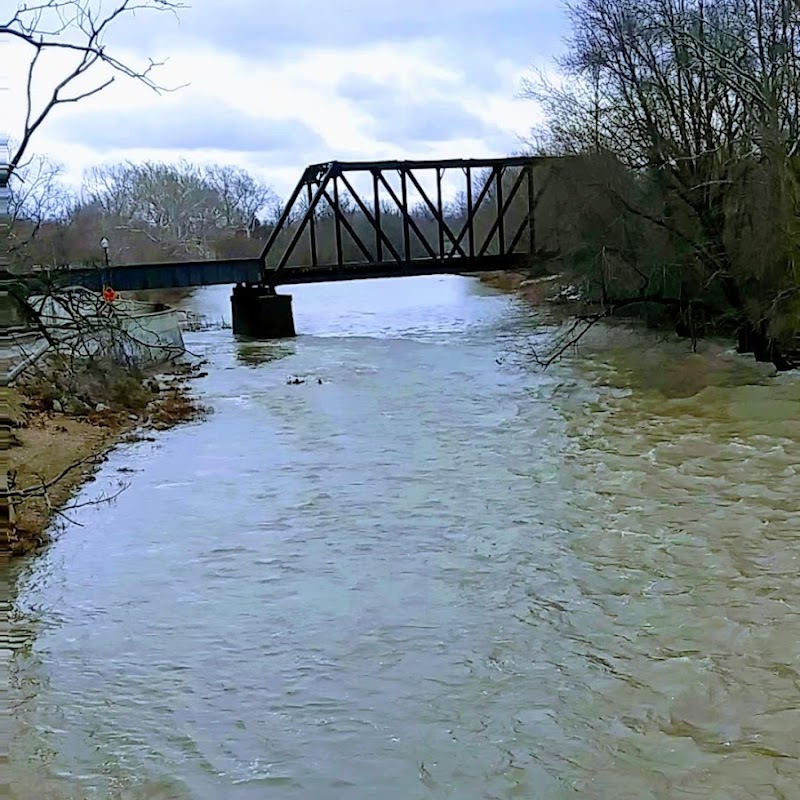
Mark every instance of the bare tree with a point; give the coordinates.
(77, 29)
(700, 101)
(170, 204)
(40, 195)
(37, 197)
(243, 200)
(74, 33)
(182, 208)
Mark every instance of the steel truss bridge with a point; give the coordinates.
(380, 219)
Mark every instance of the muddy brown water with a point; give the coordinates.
(438, 573)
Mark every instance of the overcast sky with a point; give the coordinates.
(275, 87)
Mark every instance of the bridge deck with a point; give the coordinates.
(137, 277)
(176, 275)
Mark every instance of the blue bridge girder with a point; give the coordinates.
(167, 275)
(138, 277)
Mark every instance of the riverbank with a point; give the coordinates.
(60, 442)
(536, 290)
(653, 358)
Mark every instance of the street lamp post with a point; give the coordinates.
(104, 245)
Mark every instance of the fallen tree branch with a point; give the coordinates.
(41, 490)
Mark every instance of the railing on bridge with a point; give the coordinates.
(384, 218)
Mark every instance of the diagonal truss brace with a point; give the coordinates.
(502, 178)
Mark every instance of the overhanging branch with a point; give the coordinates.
(71, 26)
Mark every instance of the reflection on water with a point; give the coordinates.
(438, 573)
(256, 354)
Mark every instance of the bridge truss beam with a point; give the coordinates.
(491, 227)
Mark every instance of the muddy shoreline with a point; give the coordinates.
(536, 290)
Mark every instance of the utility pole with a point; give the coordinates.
(9, 311)
(5, 197)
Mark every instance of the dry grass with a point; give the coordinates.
(535, 290)
(542, 290)
(173, 407)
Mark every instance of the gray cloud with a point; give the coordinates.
(475, 33)
(189, 127)
(400, 119)
(362, 90)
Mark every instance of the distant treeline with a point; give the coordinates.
(147, 212)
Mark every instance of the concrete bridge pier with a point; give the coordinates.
(260, 313)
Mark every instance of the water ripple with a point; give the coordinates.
(439, 573)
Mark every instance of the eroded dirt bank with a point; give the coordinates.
(60, 436)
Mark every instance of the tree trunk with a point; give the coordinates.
(754, 339)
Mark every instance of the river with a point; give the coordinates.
(430, 570)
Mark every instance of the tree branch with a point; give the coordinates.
(75, 19)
